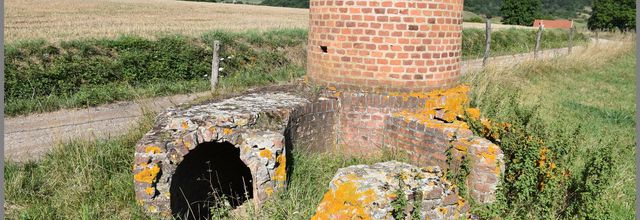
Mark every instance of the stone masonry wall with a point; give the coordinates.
(383, 45)
(313, 126)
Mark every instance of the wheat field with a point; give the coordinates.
(58, 20)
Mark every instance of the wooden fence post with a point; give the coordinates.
(538, 36)
(571, 31)
(487, 46)
(215, 65)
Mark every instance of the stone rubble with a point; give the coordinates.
(369, 191)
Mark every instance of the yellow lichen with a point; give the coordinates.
(460, 202)
(185, 125)
(266, 153)
(147, 175)
(269, 191)
(345, 202)
(280, 174)
(491, 154)
(474, 113)
(451, 102)
(151, 149)
(227, 131)
(150, 190)
(443, 210)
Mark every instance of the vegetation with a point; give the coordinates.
(42, 76)
(287, 3)
(612, 14)
(551, 9)
(468, 16)
(512, 41)
(570, 144)
(520, 12)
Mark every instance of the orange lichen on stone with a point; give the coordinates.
(185, 125)
(474, 113)
(266, 153)
(150, 190)
(443, 210)
(151, 149)
(268, 191)
(460, 202)
(280, 174)
(491, 154)
(462, 145)
(147, 175)
(227, 131)
(451, 101)
(345, 202)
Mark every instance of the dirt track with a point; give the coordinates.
(29, 137)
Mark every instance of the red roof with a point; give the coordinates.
(563, 24)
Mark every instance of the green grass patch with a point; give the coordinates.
(580, 112)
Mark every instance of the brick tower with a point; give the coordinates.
(385, 45)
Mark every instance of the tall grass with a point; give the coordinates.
(512, 41)
(575, 112)
(78, 180)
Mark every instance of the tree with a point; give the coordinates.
(520, 12)
(610, 14)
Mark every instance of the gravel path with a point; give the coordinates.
(29, 137)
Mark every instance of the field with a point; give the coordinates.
(72, 19)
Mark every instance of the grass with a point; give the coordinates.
(585, 106)
(79, 180)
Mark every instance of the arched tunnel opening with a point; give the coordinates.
(211, 175)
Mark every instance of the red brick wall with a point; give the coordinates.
(382, 45)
